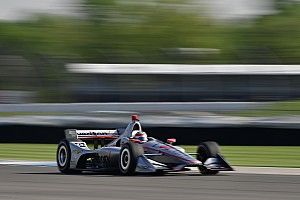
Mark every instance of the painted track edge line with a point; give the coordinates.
(28, 163)
(238, 169)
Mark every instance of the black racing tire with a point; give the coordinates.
(128, 158)
(63, 158)
(207, 150)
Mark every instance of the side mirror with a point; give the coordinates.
(171, 140)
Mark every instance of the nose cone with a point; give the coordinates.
(179, 155)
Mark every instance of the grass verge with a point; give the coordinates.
(280, 108)
(259, 156)
(263, 156)
(45, 152)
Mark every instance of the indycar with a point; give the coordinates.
(130, 151)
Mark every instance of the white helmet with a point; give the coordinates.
(140, 135)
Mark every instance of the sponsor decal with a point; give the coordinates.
(95, 132)
(80, 144)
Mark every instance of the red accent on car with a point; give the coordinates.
(135, 118)
(138, 134)
(171, 140)
(136, 140)
(164, 147)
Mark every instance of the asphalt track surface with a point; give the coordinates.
(36, 183)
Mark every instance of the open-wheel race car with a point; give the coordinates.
(131, 151)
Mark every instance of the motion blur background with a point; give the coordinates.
(38, 39)
(244, 75)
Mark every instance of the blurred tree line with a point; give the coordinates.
(111, 31)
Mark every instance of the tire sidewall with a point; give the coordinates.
(63, 146)
(125, 160)
(133, 151)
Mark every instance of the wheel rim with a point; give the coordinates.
(125, 159)
(62, 156)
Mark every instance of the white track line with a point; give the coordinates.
(28, 163)
(261, 170)
(238, 169)
(267, 170)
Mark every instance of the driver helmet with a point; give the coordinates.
(140, 135)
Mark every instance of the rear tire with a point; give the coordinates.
(207, 150)
(63, 158)
(128, 158)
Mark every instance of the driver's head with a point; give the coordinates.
(140, 135)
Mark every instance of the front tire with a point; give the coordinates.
(128, 158)
(207, 150)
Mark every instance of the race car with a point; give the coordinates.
(130, 151)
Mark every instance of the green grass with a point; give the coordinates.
(280, 108)
(43, 152)
(262, 156)
(237, 155)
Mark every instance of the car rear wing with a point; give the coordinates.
(91, 134)
(95, 135)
